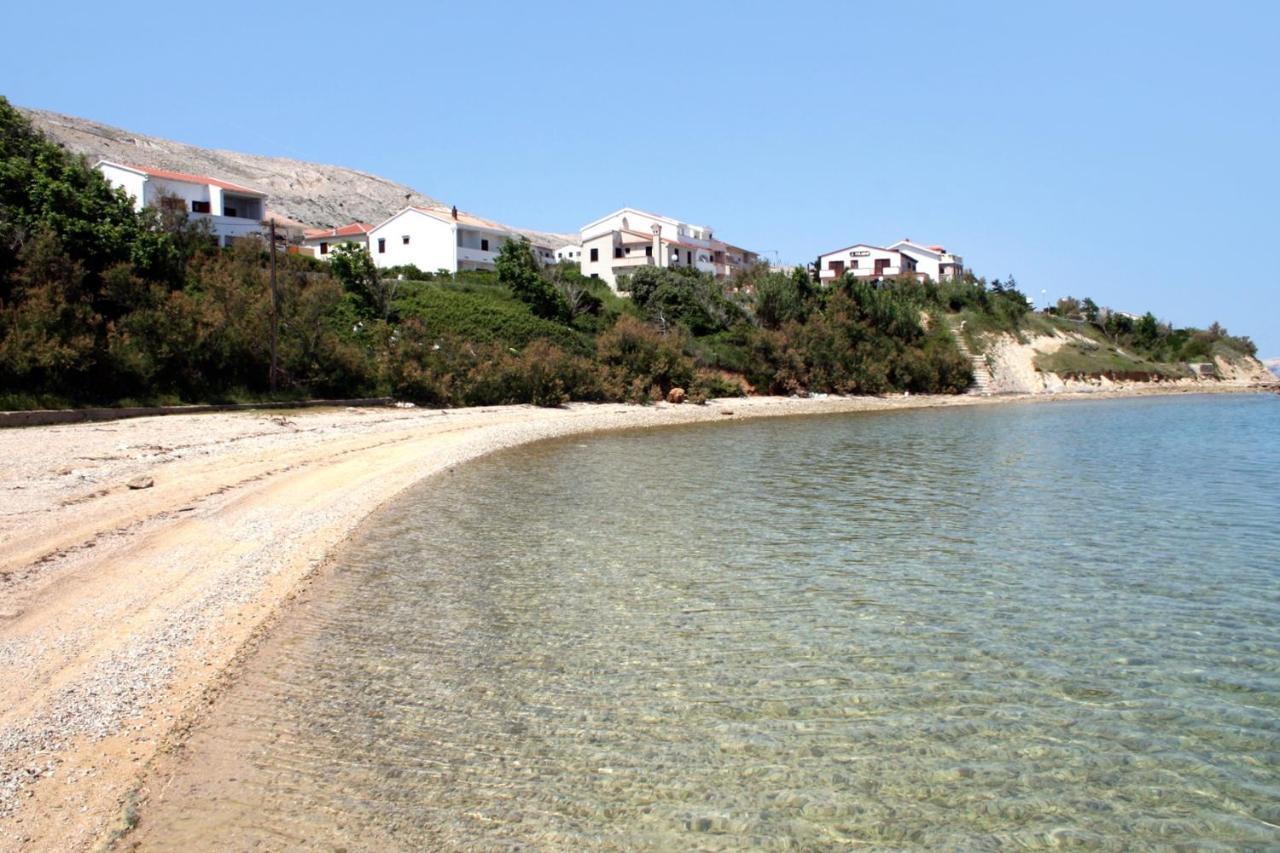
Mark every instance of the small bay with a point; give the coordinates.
(1018, 625)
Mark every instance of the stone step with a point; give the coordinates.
(982, 378)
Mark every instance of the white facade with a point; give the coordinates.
(544, 255)
(231, 210)
(435, 240)
(863, 261)
(571, 252)
(319, 242)
(934, 261)
(626, 239)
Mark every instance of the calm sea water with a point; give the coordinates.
(1026, 625)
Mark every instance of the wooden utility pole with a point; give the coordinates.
(275, 309)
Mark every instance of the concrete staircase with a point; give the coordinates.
(982, 379)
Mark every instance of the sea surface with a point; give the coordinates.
(1020, 625)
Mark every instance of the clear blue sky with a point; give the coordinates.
(1126, 151)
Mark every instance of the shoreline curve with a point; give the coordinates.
(142, 561)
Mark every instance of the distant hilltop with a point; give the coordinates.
(1273, 364)
(300, 193)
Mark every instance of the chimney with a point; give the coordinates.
(657, 244)
(455, 211)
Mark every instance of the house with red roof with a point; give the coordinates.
(618, 244)
(934, 261)
(904, 257)
(318, 242)
(434, 239)
(231, 210)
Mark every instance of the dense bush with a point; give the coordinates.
(865, 339)
(426, 369)
(681, 296)
(483, 316)
(641, 363)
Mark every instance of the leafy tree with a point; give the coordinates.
(354, 267)
(518, 270)
(44, 186)
(682, 296)
(1090, 309)
(779, 298)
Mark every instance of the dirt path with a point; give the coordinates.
(120, 607)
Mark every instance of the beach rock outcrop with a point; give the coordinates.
(141, 482)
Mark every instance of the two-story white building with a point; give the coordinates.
(230, 209)
(934, 261)
(435, 239)
(571, 253)
(627, 239)
(432, 239)
(319, 242)
(863, 261)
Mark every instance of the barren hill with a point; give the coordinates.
(308, 194)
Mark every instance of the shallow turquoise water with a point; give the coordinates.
(1021, 625)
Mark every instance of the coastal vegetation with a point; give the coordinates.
(104, 304)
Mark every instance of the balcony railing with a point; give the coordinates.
(633, 261)
(469, 254)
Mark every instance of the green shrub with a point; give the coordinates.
(641, 364)
(480, 315)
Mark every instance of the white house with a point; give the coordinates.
(318, 242)
(231, 210)
(934, 261)
(544, 254)
(433, 239)
(864, 261)
(626, 239)
(571, 252)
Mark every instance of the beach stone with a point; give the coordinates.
(141, 482)
(676, 395)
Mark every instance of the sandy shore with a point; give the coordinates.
(122, 608)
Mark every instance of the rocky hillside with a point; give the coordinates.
(300, 193)
(1017, 366)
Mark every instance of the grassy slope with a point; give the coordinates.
(485, 313)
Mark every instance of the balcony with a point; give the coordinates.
(476, 256)
(633, 261)
(228, 226)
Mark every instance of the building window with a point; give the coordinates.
(169, 202)
(617, 251)
(853, 265)
(595, 255)
(484, 245)
(648, 251)
(324, 248)
(199, 207)
(688, 257)
(382, 245)
(595, 274)
(228, 211)
(405, 239)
